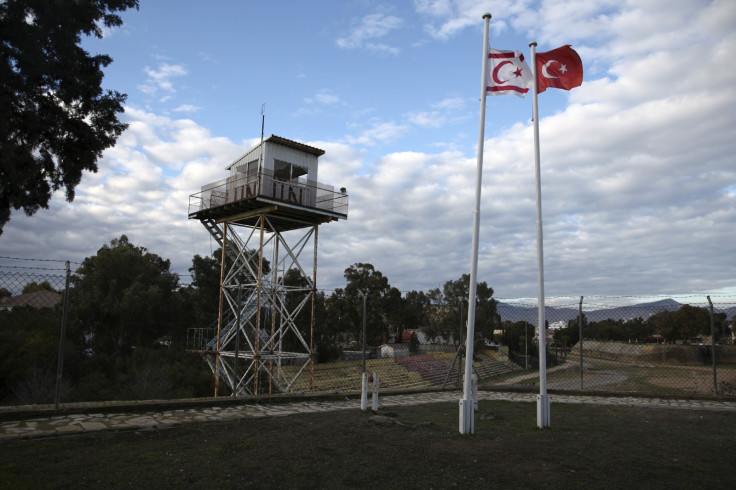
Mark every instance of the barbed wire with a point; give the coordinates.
(31, 268)
(39, 260)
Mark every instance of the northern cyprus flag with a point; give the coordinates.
(508, 73)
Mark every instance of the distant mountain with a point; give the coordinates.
(640, 310)
(553, 314)
(730, 311)
(529, 314)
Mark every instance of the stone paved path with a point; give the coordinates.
(76, 423)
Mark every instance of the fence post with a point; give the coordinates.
(713, 347)
(365, 320)
(580, 322)
(60, 364)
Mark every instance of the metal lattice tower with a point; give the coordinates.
(266, 218)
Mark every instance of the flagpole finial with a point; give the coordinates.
(533, 43)
(487, 15)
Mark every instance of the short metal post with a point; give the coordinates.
(580, 322)
(526, 346)
(364, 392)
(365, 324)
(713, 347)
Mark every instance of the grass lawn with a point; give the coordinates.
(409, 447)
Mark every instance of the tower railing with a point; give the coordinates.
(265, 184)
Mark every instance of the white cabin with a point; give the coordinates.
(276, 171)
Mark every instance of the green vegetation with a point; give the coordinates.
(57, 120)
(129, 318)
(687, 323)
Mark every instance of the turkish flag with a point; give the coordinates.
(559, 68)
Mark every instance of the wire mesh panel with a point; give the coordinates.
(679, 346)
(663, 346)
(31, 304)
(31, 289)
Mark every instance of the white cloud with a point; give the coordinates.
(324, 97)
(187, 108)
(636, 174)
(369, 27)
(379, 132)
(637, 165)
(431, 119)
(160, 79)
(132, 194)
(446, 111)
(454, 16)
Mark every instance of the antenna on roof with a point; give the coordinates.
(263, 120)
(263, 124)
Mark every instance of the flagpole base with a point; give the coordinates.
(543, 412)
(467, 415)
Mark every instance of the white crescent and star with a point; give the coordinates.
(548, 64)
(494, 74)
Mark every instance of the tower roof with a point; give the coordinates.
(296, 145)
(285, 142)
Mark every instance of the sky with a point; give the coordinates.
(638, 174)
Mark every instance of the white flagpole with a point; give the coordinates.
(543, 412)
(467, 405)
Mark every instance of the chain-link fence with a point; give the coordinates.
(680, 346)
(32, 289)
(683, 347)
(33, 316)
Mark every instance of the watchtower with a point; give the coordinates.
(265, 216)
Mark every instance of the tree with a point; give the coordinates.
(691, 322)
(393, 314)
(33, 287)
(720, 325)
(486, 318)
(610, 330)
(661, 323)
(123, 297)
(416, 305)
(204, 291)
(366, 279)
(436, 312)
(56, 119)
(518, 336)
(571, 332)
(338, 313)
(29, 353)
